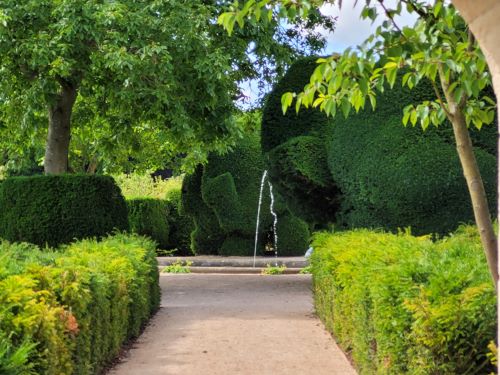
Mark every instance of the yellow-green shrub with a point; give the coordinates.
(77, 306)
(403, 304)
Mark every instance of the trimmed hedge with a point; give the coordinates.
(222, 197)
(149, 217)
(51, 210)
(69, 312)
(180, 224)
(405, 305)
(393, 176)
(296, 151)
(278, 128)
(369, 170)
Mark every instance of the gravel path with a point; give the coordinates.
(235, 324)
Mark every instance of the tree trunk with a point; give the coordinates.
(57, 147)
(477, 193)
(483, 17)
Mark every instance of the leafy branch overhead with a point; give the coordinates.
(438, 47)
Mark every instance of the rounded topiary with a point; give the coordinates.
(52, 210)
(368, 170)
(393, 176)
(278, 128)
(149, 217)
(299, 170)
(225, 211)
(293, 236)
(296, 154)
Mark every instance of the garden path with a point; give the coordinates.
(235, 324)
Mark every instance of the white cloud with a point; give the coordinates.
(351, 30)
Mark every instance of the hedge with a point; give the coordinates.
(222, 197)
(181, 225)
(69, 312)
(369, 170)
(393, 176)
(149, 217)
(400, 304)
(58, 209)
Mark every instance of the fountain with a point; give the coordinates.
(275, 221)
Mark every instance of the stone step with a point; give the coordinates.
(233, 270)
(244, 262)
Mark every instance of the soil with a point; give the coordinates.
(234, 324)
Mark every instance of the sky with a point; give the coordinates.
(350, 31)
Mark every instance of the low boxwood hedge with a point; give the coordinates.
(52, 210)
(69, 312)
(406, 305)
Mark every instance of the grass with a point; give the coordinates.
(273, 270)
(178, 267)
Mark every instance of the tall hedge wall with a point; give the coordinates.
(222, 197)
(58, 209)
(369, 170)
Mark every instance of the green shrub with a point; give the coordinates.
(393, 176)
(144, 186)
(58, 209)
(278, 128)
(222, 197)
(180, 224)
(299, 170)
(69, 312)
(369, 170)
(405, 305)
(149, 217)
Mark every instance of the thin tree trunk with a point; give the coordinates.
(57, 147)
(473, 177)
(483, 17)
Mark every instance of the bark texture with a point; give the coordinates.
(483, 18)
(59, 134)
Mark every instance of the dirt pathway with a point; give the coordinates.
(235, 324)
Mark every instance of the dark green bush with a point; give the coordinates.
(222, 197)
(369, 170)
(181, 225)
(69, 312)
(149, 217)
(296, 153)
(393, 176)
(405, 305)
(299, 170)
(58, 209)
(278, 128)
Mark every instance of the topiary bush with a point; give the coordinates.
(393, 176)
(149, 217)
(296, 151)
(369, 170)
(400, 304)
(51, 210)
(222, 197)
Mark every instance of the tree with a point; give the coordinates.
(439, 48)
(113, 69)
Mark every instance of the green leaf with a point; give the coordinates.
(286, 101)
